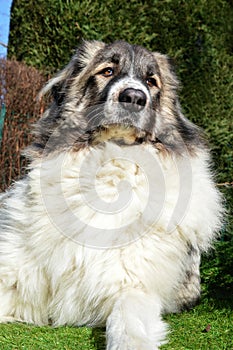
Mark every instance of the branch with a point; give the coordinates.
(4, 45)
(225, 184)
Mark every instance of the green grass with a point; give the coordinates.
(187, 331)
(21, 336)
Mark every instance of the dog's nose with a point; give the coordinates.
(133, 99)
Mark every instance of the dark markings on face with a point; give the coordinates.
(58, 94)
(91, 88)
(103, 94)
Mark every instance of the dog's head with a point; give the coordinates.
(120, 93)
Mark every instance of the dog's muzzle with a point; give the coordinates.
(125, 117)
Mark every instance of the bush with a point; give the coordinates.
(22, 84)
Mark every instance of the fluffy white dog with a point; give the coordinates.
(118, 204)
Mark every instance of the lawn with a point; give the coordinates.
(208, 326)
(204, 327)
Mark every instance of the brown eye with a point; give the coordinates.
(151, 82)
(107, 72)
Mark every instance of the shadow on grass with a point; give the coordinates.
(99, 337)
(221, 297)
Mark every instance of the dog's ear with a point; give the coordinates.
(80, 60)
(170, 106)
(171, 111)
(55, 86)
(167, 71)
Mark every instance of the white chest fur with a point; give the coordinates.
(109, 196)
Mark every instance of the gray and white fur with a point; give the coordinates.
(78, 244)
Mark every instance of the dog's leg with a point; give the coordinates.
(7, 304)
(24, 296)
(188, 292)
(135, 323)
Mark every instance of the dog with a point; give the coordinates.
(108, 226)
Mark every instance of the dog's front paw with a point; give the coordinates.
(135, 323)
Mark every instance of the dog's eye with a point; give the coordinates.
(107, 72)
(151, 82)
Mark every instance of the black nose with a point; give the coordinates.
(133, 100)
